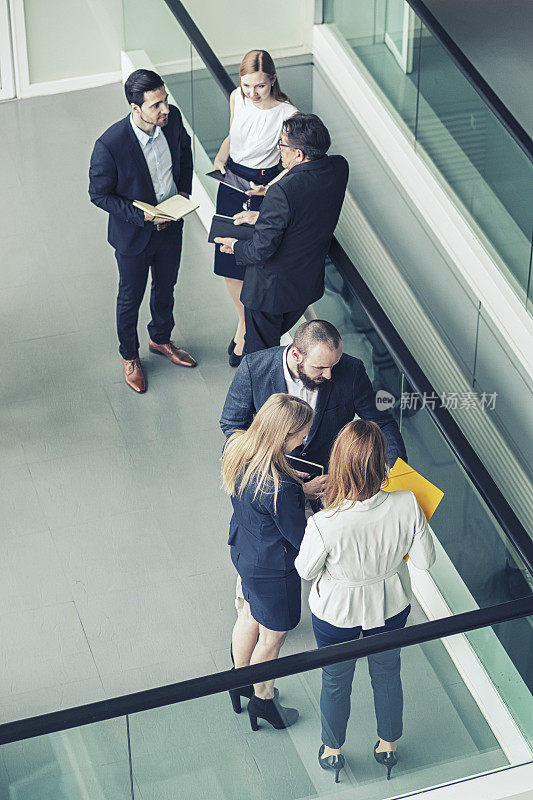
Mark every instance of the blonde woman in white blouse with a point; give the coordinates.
(353, 551)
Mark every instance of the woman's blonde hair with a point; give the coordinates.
(357, 465)
(258, 454)
(261, 61)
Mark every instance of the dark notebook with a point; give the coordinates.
(224, 227)
(301, 465)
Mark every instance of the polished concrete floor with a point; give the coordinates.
(115, 574)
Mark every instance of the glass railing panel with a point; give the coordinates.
(476, 564)
(490, 177)
(480, 161)
(385, 38)
(202, 749)
(91, 761)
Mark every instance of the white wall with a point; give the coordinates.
(68, 39)
(70, 44)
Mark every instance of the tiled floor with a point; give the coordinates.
(115, 574)
(113, 521)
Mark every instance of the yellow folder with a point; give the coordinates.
(402, 476)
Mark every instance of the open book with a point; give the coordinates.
(172, 209)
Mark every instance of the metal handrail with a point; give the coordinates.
(268, 670)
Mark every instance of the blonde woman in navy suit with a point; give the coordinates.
(266, 529)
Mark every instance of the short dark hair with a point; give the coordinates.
(307, 133)
(139, 82)
(316, 331)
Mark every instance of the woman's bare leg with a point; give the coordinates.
(234, 289)
(267, 648)
(244, 636)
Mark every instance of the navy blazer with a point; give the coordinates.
(119, 174)
(285, 258)
(347, 393)
(264, 538)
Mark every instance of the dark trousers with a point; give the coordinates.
(384, 669)
(162, 255)
(265, 330)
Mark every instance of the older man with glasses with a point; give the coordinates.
(285, 258)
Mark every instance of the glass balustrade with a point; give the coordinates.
(201, 749)
(490, 176)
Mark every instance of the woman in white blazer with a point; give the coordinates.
(353, 551)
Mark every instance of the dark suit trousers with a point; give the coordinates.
(162, 254)
(265, 330)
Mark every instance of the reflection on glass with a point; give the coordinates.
(87, 762)
(202, 749)
(491, 177)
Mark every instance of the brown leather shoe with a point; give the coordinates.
(172, 352)
(133, 375)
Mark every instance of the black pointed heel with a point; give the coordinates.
(271, 711)
(231, 346)
(389, 759)
(234, 360)
(243, 691)
(331, 762)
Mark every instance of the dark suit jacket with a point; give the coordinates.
(349, 392)
(118, 174)
(262, 537)
(285, 258)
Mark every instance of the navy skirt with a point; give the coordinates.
(275, 597)
(230, 202)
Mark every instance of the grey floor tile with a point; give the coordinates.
(23, 265)
(132, 628)
(54, 633)
(181, 668)
(118, 552)
(81, 422)
(22, 511)
(50, 699)
(31, 575)
(10, 442)
(79, 488)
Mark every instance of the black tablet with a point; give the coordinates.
(224, 227)
(301, 465)
(231, 180)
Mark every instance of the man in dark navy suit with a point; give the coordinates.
(146, 156)
(315, 369)
(285, 258)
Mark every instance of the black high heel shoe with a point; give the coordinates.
(272, 711)
(234, 360)
(389, 759)
(331, 762)
(231, 346)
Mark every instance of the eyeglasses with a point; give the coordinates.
(279, 145)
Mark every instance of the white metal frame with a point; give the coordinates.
(7, 72)
(404, 57)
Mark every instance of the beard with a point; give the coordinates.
(308, 382)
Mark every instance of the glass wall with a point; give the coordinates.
(201, 749)
(491, 177)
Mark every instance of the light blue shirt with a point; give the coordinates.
(158, 160)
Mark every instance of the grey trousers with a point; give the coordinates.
(384, 669)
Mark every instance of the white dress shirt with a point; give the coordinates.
(158, 160)
(295, 385)
(355, 559)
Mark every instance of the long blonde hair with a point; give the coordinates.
(357, 465)
(261, 61)
(258, 454)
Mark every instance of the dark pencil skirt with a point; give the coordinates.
(230, 202)
(275, 597)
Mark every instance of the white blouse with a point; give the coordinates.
(254, 132)
(355, 559)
